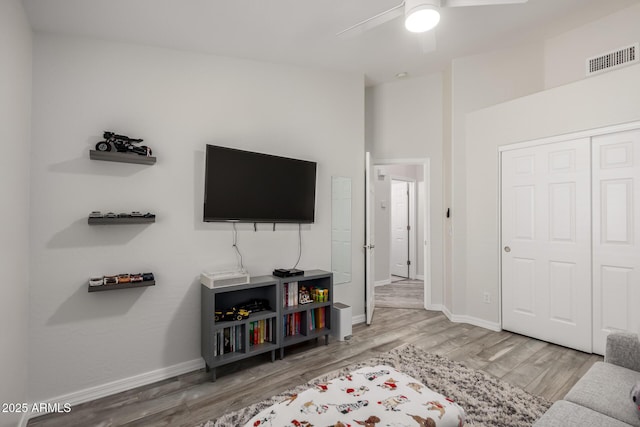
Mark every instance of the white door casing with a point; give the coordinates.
(616, 235)
(399, 228)
(369, 245)
(546, 242)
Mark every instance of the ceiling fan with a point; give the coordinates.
(419, 15)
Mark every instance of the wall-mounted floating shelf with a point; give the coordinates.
(128, 220)
(122, 286)
(114, 156)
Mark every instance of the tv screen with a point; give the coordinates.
(252, 187)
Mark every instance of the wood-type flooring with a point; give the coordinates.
(187, 400)
(400, 293)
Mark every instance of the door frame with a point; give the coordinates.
(369, 236)
(425, 162)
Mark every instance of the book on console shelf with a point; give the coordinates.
(260, 331)
(318, 318)
(290, 294)
(227, 340)
(292, 324)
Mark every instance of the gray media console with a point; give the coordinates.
(288, 319)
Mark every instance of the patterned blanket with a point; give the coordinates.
(370, 396)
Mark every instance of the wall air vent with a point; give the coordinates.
(611, 60)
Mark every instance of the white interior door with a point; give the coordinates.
(399, 228)
(616, 238)
(546, 243)
(369, 246)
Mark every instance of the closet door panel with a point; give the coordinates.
(616, 248)
(546, 242)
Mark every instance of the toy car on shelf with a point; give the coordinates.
(110, 280)
(124, 278)
(96, 281)
(95, 214)
(256, 305)
(136, 277)
(233, 313)
(136, 214)
(122, 144)
(110, 215)
(147, 276)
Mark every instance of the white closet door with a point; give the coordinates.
(616, 235)
(546, 243)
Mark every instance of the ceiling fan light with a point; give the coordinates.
(421, 19)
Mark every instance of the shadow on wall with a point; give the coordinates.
(79, 235)
(89, 306)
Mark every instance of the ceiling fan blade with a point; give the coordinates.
(427, 41)
(374, 21)
(461, 3)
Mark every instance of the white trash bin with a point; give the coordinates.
(341, 321)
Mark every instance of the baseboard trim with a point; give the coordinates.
(360, 318)
(456, 318)
(104, 390)
(436, 307)
(382, 282)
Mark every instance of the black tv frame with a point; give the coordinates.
(308, 166)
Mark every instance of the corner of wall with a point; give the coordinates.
(16, 53)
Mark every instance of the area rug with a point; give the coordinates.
(486, 400)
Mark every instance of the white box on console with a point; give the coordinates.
(218, 279)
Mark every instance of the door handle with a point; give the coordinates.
(369, 246)
(507, 249)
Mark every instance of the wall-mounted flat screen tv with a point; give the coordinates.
(245, 186)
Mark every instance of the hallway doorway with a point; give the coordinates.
(401, 221)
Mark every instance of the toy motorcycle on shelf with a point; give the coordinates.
(122, 144)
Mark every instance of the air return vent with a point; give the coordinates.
(612, 60)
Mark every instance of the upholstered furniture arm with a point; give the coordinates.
(623, 349)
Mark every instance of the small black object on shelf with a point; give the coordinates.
(287, 272)
(256, 305)
(122, 144)
(230, 314)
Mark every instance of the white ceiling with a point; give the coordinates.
(302, 32)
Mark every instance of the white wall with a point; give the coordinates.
(600, 101)
(404, 121)
(447, 193)
(177, 102)
(382, 222)
(15, 113)
(477, 82)
(566, 55)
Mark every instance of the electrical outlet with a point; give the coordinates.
(486, 298)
